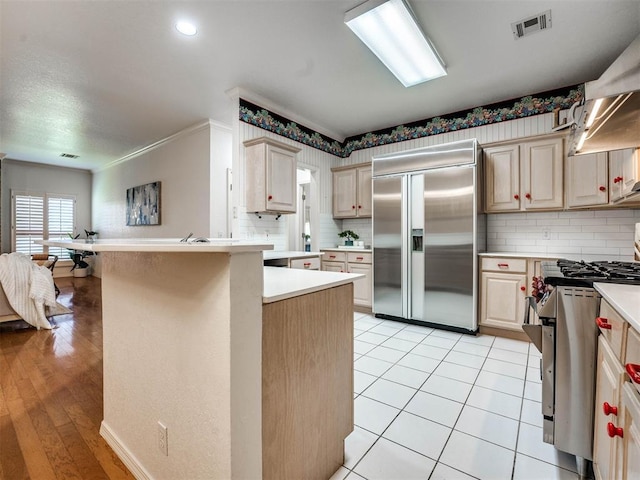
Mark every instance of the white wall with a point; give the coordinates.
(182, 165)
(220, 147)
(39, 178)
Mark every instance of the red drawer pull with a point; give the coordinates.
(609, 409)
(270, 197)
(523, 288)
(528, 196)
(516, 197)
(614, 431)
(306, 264)
(353, 207)
(604, 324)
(633, 369)
(332, 256)
(602, 188)
(359, 258)
(359, 206)
(503, 265)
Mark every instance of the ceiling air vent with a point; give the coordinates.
(530, 25)
(69, 155)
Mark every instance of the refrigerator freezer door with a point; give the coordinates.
(449, 256)
(388, 240)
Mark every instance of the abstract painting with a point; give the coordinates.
(143, 204)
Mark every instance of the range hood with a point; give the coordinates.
(610, 119)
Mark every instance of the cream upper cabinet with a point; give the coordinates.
(502, 167)
(587, 180)
(542, 174)
(524, 176)
(352, 191)
(270, 182)
(624, 172)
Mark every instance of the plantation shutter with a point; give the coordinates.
(60, 221)
(28, 223)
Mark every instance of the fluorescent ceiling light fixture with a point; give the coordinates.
(390, 30)
(594, 113)
(186, 28)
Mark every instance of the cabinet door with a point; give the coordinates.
(631, 440)
(610, 377)
(542, 167)
(502, 179)
(587, 180)
(364, 192)
(344, 193)
(281, 180)
(625, 171)
(362, 286)
(502, 300)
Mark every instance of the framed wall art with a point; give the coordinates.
(143, 204)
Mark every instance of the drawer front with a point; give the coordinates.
(632, 354)
(355, 257)
(505, 264)
(615, 335)
(333, 266)
(334, 256)
(312, 263)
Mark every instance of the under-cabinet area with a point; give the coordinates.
(617, 410)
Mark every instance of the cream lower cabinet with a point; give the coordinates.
(503, 287)
(629, 457)
(353, 262)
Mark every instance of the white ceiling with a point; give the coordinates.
(102, 79)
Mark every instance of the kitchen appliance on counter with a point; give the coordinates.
(567, 339)
(427, 232)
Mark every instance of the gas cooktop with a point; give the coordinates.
(584, 274)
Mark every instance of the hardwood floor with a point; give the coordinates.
(51, 394)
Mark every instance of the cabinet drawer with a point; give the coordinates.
(312, 263)
(504, 264)
(333, 266)
(616, 334)
(334, 256)
(355, 257)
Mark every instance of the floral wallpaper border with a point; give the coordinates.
(530, 105)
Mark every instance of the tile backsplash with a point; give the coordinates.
(582, 235)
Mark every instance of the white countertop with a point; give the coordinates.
(159, 245)
(522, 255)
(346, 249)
(624, 298)
(276, 254)
(283, 283)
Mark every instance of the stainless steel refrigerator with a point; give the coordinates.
(427, 232)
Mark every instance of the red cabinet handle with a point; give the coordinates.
(503, 265)
(602, 188)
(353, 207)
(614, 431)
(633, 370)
(523, 288)
(270, 197)
(609, 409)
(616, 180)
(332, 256)
(528, 196)
(620, 179)
(516, 196)
(603, 323)
(359, 258)
(306, 265)
(359, 206)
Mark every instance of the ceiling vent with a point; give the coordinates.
(69, 155)
(527, 26)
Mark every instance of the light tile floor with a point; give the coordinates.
(432, 404)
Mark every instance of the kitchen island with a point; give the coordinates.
(216, 367)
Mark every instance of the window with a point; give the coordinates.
(41, 216)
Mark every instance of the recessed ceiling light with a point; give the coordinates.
(186, 28)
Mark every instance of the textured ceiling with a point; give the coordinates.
(102, 79)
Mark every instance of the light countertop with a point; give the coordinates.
(522, 255)
(159, 245)
(624, 298)
(277, 254)
(347, 249)
(283, 283)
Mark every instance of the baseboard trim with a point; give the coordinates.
(123, 453)
(504, 333)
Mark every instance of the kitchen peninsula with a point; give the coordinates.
(218, 367)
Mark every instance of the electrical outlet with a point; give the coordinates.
(546, 234)
(163, 439)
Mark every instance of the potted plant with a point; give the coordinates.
(349, 236)
(80, 266)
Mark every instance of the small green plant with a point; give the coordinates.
(349, 236)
